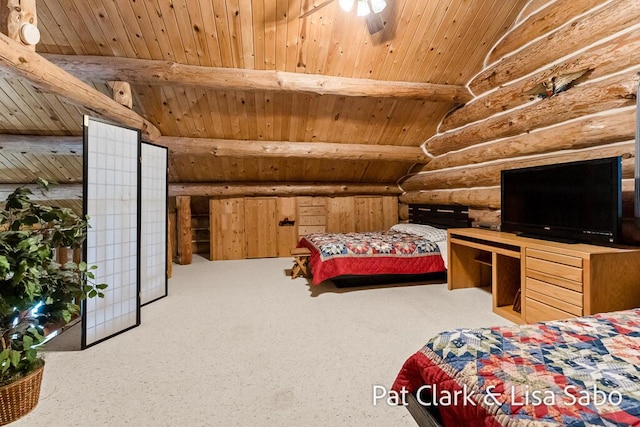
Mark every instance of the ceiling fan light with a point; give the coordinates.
(346, 5)
(378, 5)
(29, 34)
(363, 8)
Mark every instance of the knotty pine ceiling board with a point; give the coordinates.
(184, 168)
(471, 26)
(17, 168)
(200, 113)
(267, 35)
(11, 172)
(26, 110)
(424, 41)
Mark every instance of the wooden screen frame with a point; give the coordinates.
(85, 341)
(165, 152)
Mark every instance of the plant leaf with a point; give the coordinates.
(15, 358)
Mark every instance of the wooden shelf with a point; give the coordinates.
(484, 259)
(508, 313)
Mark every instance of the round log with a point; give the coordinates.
(585, 30)
(488, 174)
(487, 197)
(590, 131)
(538, 24)
(614, 92)
(604, 59)
(280, 189)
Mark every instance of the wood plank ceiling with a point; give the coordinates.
(424, 41)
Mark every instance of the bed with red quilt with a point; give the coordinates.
(576, 372)
(413, 251)
(371, 253)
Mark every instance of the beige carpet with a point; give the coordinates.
(238, 343)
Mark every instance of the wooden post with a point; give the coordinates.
(77, 255)
(15, 15)
(62, 255)
(121, 93)
(185, 251)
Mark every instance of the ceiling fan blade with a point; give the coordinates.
(314, 9)
(374, 23)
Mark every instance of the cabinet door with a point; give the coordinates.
(227, 228)
(287, 234)
(369, 214)
(341, 215)
(260, 227)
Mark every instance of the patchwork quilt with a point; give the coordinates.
(385, 252)
(577, 372)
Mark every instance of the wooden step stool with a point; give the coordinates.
(300, 263)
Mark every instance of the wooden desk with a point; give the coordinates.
(556, 280)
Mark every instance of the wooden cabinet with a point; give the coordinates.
(261, 227)
(286, 233)
(312, 216)
(554, 284)
(555, 280)
(227, 229)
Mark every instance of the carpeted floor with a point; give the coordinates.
(238, 343)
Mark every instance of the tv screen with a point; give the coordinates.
(577, 201)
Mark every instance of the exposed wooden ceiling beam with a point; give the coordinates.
(70, 145)
(152, 72)
(217, 189)
(19, 61)
(55, 192)
(232, 189)
(302, 150)
(36, 144)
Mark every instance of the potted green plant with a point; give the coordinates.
(35, 291)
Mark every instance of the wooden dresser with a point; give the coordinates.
(549, 280)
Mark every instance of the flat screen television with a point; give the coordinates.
(572, 202)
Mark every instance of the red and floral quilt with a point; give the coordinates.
(385, 252)
(576, 372)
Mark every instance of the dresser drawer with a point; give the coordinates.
(540, 312)
(555, 257)
(554, 296)
(554, 269)
(554, 280)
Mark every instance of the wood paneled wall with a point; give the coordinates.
(507, 126)
(256, 227)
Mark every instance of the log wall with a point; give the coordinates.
(507, 125)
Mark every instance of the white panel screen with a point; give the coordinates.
(111, 165)
(153, 243)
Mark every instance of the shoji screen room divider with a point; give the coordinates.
(114, 203)
(153, 249)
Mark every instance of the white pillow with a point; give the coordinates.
(428, 232)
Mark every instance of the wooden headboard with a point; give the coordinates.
(441, 216)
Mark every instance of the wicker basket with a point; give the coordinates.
(20, 397)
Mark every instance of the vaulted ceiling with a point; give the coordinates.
(431, 43)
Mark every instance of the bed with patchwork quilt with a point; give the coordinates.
(393, 252)
(576, 372)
